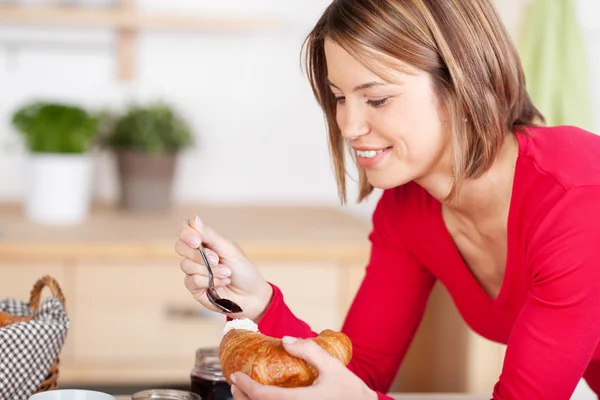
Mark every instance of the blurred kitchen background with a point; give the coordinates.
(223, 81)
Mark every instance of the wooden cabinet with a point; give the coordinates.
(127, 313)
(133, 321)
(312, 290)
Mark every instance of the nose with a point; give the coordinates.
(352, 122)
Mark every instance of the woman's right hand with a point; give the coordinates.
(236, 278)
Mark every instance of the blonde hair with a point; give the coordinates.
(463, 45)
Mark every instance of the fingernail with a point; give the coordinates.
(225, 271)
(233, 389)
(213, 259)
(227, 281)
(198, 222)
(195, 242)
(233, 378)
(289, 339)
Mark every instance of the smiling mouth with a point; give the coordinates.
(371, 153)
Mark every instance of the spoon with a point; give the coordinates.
(224, 305)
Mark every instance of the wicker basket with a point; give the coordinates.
(51, 380)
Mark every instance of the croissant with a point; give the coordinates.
(9, 319)
(266, 361)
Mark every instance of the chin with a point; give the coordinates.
(381, 181)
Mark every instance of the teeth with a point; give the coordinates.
(369, 153)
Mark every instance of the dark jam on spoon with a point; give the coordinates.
(230, 305)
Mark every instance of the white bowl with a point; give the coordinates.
(71, 394)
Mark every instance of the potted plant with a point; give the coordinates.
(58, 137)
(147, 140)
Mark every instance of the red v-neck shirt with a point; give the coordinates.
(548, 308)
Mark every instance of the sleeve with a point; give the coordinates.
(558, 328)
(386, 311)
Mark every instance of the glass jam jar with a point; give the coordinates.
(164, 394)
(207, 376)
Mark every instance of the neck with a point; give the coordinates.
(483, 197)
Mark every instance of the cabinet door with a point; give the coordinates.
(353, 277)
(140, 320)
(312, 290)
(18, 278)
(139, 313)
(485, 361)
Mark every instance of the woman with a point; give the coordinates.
(431, 97)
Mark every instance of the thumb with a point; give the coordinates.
(311, 352)
(211, 239)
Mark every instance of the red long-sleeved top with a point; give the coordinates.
(548, 308)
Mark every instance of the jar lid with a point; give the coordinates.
(208, 364)
(165, 394)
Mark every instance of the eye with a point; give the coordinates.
(377, 103)
(340, 99)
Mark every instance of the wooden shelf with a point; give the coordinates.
(81, 17)
(127, 21)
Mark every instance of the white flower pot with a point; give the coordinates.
(58, 188)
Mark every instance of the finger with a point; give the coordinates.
(191, 267)
(212, 239)
(197, 284)
(256, 391)
(184, 249)
(189, 235)
(238, 394)
(311, 352)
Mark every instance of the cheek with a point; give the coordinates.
(426, 134)
(416, 136)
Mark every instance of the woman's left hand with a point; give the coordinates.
(335, 381)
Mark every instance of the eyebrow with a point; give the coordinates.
(361, 86)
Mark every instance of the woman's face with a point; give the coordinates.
(394, 129)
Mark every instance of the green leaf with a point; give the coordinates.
(53, 127)
(155, 129)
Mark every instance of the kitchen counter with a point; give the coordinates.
(413, 396)
(285, 232)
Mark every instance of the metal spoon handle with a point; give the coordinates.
(225, 305)
(211, 281)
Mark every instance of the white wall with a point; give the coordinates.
(257, 124)
(261, 137)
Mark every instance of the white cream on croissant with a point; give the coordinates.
(246, 324)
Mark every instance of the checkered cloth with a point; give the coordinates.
(28, 349)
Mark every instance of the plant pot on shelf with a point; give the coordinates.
(146, 180)
(58, 188)
(146, 140)
(59, 170)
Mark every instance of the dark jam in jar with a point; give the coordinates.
(207, 377)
